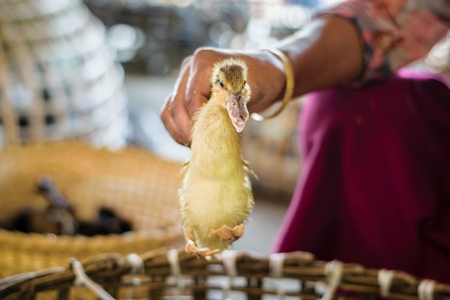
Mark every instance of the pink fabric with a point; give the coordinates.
(375, 186)
(395, 32)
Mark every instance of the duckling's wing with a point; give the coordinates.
(184, 166)
(248, 168)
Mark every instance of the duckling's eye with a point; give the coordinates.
(221, 84)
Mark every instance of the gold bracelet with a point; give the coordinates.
(289, 85)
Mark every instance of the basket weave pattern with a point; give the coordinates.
(197, 279)
(139, 186)
(58, 76)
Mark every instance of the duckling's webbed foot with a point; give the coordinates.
(191, 247)
(226, 233)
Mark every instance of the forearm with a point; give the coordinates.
(326, 53)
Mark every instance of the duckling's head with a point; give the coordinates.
(230, 88)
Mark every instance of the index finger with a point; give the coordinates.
(198, 89)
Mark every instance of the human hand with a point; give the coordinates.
(265, 77)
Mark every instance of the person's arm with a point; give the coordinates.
(354, 41)
(327, 52)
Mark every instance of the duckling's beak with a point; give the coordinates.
(237, 110)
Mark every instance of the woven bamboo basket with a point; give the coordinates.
(173, 274)
(138, 185)
(59, 77)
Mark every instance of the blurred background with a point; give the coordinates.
(100, 71)
(151, 38)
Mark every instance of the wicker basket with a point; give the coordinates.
(58, 76)
(139, 186)
(173, 274)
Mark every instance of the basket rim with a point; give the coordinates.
(251, 265)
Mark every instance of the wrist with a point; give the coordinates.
(267, 76)
(289, 87)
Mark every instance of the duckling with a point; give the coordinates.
(216, 195)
